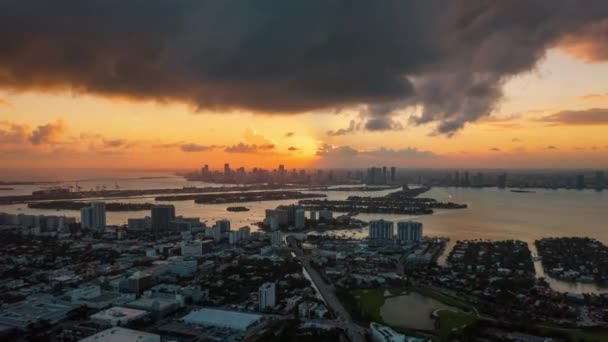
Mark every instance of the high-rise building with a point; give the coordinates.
(99, 215)
(325, 215)
(300, 218)
(233, 237)
(276, 238)
(313, 215)
(580, 182)
(274, 223)
(290, 211)
(227, 170)
(393, 173)
(216, 232)
(600, 180)
(477, 180)
(381, 230)
(244, 233)
(267, 296)
(281, 213)
(162, 215)
(502, 181)
(223, 225)
(466, 181)
(409, 231)
(86, 218)
(93, 217)
(375, 176)
(384, 175)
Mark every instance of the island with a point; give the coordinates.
(66, 193)
(359, 188)
(402, 202)
(76, 205)
(574, 259)
(240, 197)
(236, 209)
(522, 191)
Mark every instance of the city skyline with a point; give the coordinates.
(270, 170)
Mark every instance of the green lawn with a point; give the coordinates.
(449, 320)
(578, 334)
(371, 300)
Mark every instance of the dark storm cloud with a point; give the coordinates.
(274, 56)
(352, 127)
(589, 43)
(382, 124)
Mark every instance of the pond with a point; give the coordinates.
(412, 311)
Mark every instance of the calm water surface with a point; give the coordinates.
(397, 311)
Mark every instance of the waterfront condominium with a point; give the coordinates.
(93, 217)
(381, 230)
(162, 215)
(223, 225)
(409, 231)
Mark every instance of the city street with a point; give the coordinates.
(343, 319)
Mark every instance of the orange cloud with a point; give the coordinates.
(593, 116)
(246, 148)
(197, 148)
(590, 44)
(594, 97)
(48, 134)
(7, 104)
(12, 133)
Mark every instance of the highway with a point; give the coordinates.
(343, 320)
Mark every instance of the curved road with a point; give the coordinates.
(354, 332)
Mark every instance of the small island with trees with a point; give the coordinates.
(237, 209)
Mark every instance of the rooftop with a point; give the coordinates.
(33, 309)
(222, 318)
(153, 304)
(118, 312)
(123, 335)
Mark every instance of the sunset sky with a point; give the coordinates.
(340, 92)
